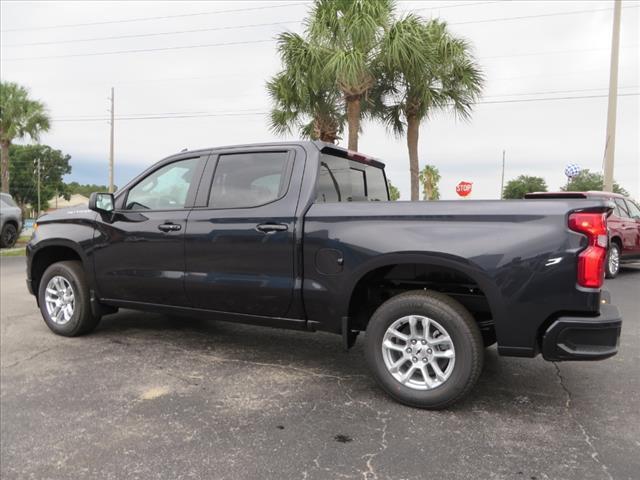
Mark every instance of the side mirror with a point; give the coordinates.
(101, 202)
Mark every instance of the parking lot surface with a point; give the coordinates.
(148, 396)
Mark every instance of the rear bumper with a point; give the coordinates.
(583, 338)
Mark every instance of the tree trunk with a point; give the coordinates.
(353, 120)
(413, 128)
(4, 162)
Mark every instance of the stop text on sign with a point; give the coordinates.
(464, 188)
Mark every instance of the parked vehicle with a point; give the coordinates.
(10, 221)
(302, 235)
(623, 226)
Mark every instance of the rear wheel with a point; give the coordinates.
(424, 349)
(613, 261)
(8, 236)
(63, 295)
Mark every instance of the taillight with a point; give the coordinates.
(591, 260)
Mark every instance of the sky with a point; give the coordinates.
(534, 54)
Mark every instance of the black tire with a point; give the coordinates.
(82, 320)
(462, 329)
(8, 236)
(609, 270)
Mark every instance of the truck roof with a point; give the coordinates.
(324, 147)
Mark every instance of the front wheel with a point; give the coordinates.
(64, 301)
(8, 236)
(424, 349)
(613, 261)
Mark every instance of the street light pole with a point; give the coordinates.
(111, 148)
(610, 143)
(502, 181)
(38, 167)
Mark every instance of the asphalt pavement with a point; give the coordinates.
(154, 397)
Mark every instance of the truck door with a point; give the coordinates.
(139, 253)
(240, 238)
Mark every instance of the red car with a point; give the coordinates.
(623, 224)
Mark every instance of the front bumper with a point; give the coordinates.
(583, 338)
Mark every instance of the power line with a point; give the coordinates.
(141, 50)
(125, 116)
(540, 15)
(145, 19)
(198, 30)
(472, 4)
(556, 52)
(556, 98)
(177, 115)
(551, 92)
(142, 35)
(185, 47)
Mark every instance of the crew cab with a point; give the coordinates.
(302, 235)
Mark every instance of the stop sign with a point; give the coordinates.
(464, 188)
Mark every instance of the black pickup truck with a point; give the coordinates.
(302, 235)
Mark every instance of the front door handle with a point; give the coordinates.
(169, 227)
(272, 227)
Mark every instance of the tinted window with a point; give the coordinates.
(244, 180)
(342, 180)
(164, 189)
(622, 207)
(328, 186)
(376, 185)
(634, 210)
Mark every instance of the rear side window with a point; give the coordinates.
(622, 208)
(245, 180)
(634, 210)
(342, 180)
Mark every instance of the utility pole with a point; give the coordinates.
(38, 166)
(111, 147)
(610, 143)
(502, 181)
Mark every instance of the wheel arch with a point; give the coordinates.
(51, 252)
(617, 240)
(451, 263)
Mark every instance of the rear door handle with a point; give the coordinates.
(272, 227)
(169, 227)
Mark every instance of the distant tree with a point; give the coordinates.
(24, 167)
(20, 117)
(86, 189)
(587, 180)
(394, 193)
(522, 185)
(429, 178)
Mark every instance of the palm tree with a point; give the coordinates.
(19, 117)
(429, 178)
(347, 35)
(428, 69)
(302, 98)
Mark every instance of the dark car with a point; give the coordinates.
(623, 225)
(302, 235)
